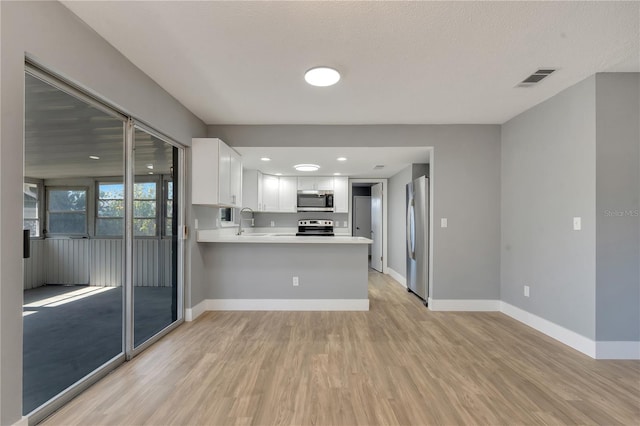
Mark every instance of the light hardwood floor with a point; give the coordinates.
(399, 363)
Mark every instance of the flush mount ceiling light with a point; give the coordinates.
(265, 159)
(336, 174)
(341, 158)
(322, 76)
(94, 157)
(306, 167)
(150, 166)
(278, 174)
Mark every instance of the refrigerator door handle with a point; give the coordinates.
(410, 229)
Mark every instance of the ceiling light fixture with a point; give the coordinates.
(265, 159)
(150, 166)
(322, 76)
(341, 158)
(336, 174)
(94, 157)
(306, 167)
(278, 174)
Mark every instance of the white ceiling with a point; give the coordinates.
(401, 62)
(61, 132)
(360, 161)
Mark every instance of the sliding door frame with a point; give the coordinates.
(130, 123)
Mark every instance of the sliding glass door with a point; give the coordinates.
(155, 235)
(103, 272)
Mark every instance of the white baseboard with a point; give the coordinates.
(617, 350)
(191, 314)
(287, 304)
(470, 305)
(563, 335)
(24, 421)
(396, 276)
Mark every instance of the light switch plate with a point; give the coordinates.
(443, 222)
(273, 223)
(196, 224)
(577, 223)
(526, 291)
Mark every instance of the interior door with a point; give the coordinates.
(362, 217)
(376, 227)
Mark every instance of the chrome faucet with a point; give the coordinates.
(240, 230)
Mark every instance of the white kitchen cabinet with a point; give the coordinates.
(250, 189)
(270, 194)
(216, 171)
(316, 183)
(341, 194)
(288, 194)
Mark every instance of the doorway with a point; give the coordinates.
(102, 218)
(368, 218)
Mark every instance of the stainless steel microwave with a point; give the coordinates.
(315, 201)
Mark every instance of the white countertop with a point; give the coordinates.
(214, 236)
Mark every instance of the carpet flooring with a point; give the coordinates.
(69, 331)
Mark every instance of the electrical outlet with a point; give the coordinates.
(577, 223)
(196, 225)
(344, 224)
(273, 223)
(526, 291)
(296, 282)
(444, 222)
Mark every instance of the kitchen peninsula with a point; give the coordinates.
(284, 272)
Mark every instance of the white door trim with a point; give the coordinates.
(385, 188)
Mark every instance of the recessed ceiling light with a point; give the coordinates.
(265, 159)
(278, 174)
(94, 157)
(150, 166)
(150, 173)
(341, 158)
(322, 76)
(336, 174)
(306, 167)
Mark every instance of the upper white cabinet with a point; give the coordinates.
(216, 171)
(317, 183)
(279, 194)
(341, 194)
(268, 193)
(288, 194)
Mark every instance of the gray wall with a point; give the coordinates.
(466, 174)
(265, 271)
(50, 33)
(617, 204)
(397, 220)
(548, 177)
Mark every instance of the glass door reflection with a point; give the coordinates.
(155, 232)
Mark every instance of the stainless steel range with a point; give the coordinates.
(315, 228)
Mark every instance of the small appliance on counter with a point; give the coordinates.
(315, 201)
(315, 228)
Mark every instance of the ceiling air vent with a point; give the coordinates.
(536, 77)
(378, 167)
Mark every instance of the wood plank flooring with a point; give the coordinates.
(399, 363)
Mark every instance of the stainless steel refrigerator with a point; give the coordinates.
(418, 237)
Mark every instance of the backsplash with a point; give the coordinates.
(290, 220)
